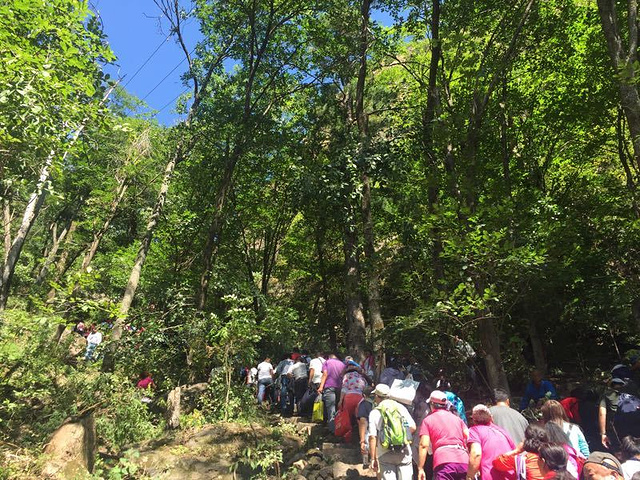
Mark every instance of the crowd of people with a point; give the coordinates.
(411, 426)
(93, 335)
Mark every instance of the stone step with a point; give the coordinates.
(351, 471)
(346, 461)
(341, 451)
(304, 426)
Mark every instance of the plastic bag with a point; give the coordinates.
(404, 391)
(318, 410)
(342, 423)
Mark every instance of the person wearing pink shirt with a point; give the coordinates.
(486, 442)
(446, 434)
(145, 382)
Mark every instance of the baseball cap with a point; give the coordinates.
(438, 397)
(382, 390)
(601, 463)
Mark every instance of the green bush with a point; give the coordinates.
(240, 405)
(123, 419)
(40, 388)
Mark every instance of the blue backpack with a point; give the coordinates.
(627, 417)
(627, 404)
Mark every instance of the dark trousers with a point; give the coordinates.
(299, 389)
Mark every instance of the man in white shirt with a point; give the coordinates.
(93, 340)
(315, 371)
(265, 379)
(392, 464)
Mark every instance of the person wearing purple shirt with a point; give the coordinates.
(330, 385)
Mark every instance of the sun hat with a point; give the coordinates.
(438, 397)
(382, 390)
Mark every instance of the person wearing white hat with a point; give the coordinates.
(447, 436)
(486, 442)
(393, 464)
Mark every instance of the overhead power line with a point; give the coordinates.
(172, 100)
(166, 76)
(147, 60)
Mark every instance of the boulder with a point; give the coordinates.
(71, 449)
(300, 464)
(315, 461)
(77, 346)
(326, 473)
(298, 456)
(173, 408)
(314, 452)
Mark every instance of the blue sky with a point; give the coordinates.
(135, 29)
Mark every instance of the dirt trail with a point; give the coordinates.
(210, 453)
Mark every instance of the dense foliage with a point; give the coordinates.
(466, 168)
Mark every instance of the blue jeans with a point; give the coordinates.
(330, 397)
(285, 396)
(91, 348)
(262, 387)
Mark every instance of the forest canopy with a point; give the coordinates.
(470, 170)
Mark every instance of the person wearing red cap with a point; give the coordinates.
(447, 436)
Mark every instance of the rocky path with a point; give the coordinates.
(331, 460)
(309, 453)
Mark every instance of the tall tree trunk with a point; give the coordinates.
(635, 308)
(57, 241)
(537, 346)
(145, 244)
(489, 337)
(480, 101)
(357, 337)
(622, 155)
(97, 236)
(625, 64)
(134, 277)
(28, 218)
(328, 323)
(257, 51)
(490, 341)
(504, 140)
(249, 264)
(215, 228)
(372, 270)
(64, 263)
(7, 218)
(428, 123)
